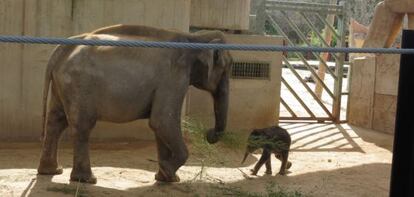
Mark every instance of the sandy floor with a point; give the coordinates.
(328, 160)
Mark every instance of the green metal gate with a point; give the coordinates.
(272, 14)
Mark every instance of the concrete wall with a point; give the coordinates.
(374, 90)
(92, 14)
(221, 14)
(254, 103)
(22, 66)
(361, 97)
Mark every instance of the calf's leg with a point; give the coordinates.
(263, 159)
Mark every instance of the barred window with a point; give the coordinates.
(250, 70)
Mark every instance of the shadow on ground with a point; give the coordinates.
(352, 182)
(322, 138)
(307, 137)
(133, 155)
(328, 160)
(383, 140)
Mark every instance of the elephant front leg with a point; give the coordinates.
(55, 125)
(172, 152)
(81, 171)
(163, 153)
(263, 159)
(269, 166)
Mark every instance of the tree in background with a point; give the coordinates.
(360, 10)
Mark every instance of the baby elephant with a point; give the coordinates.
(272, 140)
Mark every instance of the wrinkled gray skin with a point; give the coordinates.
(274, 140)
(119, 84)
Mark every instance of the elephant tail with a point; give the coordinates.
(57, 54)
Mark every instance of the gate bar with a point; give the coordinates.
(303, 38)
(307, 88)
(339, 71)
(288, 108)
(279, 30)
(318, 34)
(292, 91)
(304, 7)
(336, 35)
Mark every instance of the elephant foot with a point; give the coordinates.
(214, 136)
(289, 164)
(253, 172)
(49, 169)
(162, 178)
(268, 172)
(83, 178)
(283, 173)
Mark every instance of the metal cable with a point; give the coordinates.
(175, 45)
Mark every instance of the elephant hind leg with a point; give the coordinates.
(82, 120)
(82, 171)
(56, 123)
(286, 164)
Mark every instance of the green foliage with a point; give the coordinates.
(361, 10)
(233, 141)
(195, 130)
(256, 142)
(316, 41)
(269, 29)
(273, 190)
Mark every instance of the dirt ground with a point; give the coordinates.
(328, 160)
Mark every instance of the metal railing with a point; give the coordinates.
(187, 45)
(277, 12)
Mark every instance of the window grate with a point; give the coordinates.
(250, 70)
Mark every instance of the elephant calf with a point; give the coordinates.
(272, 140)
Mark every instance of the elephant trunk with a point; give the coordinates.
(221, 103)
(245, 156)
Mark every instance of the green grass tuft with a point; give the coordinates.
(195, 132)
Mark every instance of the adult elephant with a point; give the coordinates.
(120, 84)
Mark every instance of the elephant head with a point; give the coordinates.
(253, 143)
(210, 72)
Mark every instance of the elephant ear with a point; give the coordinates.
(211, 57)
